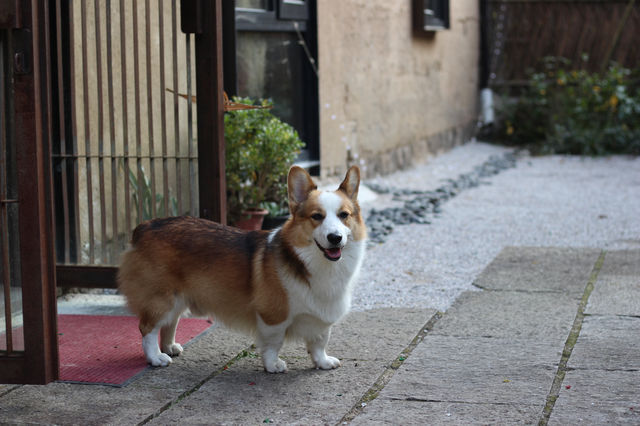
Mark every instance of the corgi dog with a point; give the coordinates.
(292, 282)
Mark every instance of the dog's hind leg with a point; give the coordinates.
(150, 344)
(152, 323)
(168, 332)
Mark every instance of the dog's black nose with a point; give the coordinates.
(334, 238)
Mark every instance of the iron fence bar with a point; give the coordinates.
(74, 145)
(103, 219)
(176, 109)
(163, 110)
(192, 186)
(4, 220)
(6, 273)
(119, 157)
(63, 138)
(136, 71)
(87, 129)
(125, 124)
(152, 168)
(112, 133)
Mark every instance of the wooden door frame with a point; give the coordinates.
(204, 19)
(38, 364)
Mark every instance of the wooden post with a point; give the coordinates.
(29, 52)
(204, 18)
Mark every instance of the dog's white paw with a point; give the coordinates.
(173, 349)
(327, 363)
(160, 360)
(279, 366)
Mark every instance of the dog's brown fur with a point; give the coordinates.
(210, 264)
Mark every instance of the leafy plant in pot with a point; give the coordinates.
(260, 148)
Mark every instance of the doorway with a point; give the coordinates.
(271, 53)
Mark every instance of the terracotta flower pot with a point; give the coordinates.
(252, 219)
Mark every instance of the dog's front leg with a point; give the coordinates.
(269, 341)
(317, 349)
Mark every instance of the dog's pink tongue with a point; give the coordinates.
(333, 253)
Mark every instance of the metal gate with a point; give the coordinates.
(127, 149)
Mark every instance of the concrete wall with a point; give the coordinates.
(387, 97)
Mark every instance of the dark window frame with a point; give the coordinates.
(430, 16)
(280, 17)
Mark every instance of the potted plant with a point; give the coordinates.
(260, 148)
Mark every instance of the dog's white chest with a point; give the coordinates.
(327, 295)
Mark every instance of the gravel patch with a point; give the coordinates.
(421, 206)
(558, 201)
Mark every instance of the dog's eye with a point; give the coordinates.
(317, 216)
(343, 215)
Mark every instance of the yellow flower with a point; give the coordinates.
(596, 89)
(613, 101)
(560, 82)
(509, 130)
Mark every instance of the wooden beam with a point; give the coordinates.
(210, 87)
(86, 276)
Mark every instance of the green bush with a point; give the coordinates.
(572, 111)
(142, 191)
(259, 151)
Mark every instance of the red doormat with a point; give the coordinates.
(107, 349)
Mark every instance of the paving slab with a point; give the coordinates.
(615, 295)
(622, 262)
(476, 370)
(598, 397)
(402, 412)
(366, 342)
(544, 317)
(609, 343)
(245, 394)
(377, 334)
(62, 403)
(533, 269)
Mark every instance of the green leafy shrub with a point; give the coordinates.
(259, 151)
(572, 111)
(142, 191)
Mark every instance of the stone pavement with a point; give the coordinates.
(547, 336)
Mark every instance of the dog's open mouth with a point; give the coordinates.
(332, 254)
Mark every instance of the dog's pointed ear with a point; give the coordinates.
(300, 185)
(351, 183)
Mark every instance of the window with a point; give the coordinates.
(272, 55)
(430, 15)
